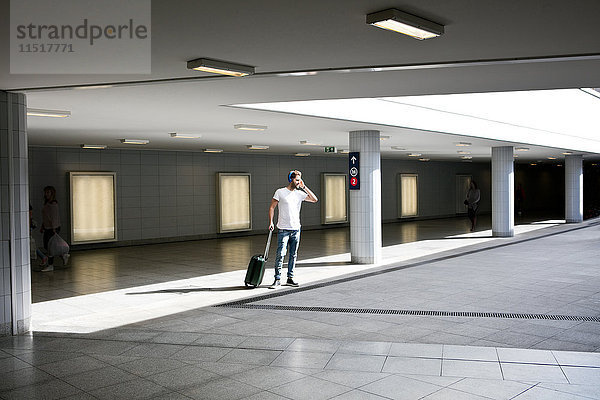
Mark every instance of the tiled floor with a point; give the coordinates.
(144, 322)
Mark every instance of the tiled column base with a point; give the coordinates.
(503, 220)
(15, 272)
(574, 188)
(365, 204)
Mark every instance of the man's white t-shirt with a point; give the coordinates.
(289, 208)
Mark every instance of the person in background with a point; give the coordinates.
(472, 203)
(51, 225)
(289, 200)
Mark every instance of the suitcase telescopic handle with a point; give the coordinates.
(268, 245)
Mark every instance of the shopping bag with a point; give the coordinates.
(57, 246)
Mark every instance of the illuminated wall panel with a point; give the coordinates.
(409, 206)
(93, 200)
(233, 201)
(334, 204)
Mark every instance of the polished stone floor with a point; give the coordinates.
(447, 314)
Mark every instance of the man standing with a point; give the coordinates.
(290, 200)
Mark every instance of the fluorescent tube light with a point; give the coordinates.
(462, 144)
(567, 153)
(551, 158)
(212, 150)
(38, 112)
(220, 67)
(184, 136)
(302, 154)
(466, 157)
(414, 155)
(257, 147)
(135, 141)
(407, 24)
(424, 159)
(94, 146)
(248, 127)
(521, 148)
(307, 143)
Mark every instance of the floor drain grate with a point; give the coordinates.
(469, 314)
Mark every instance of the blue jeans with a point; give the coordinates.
(286, 239)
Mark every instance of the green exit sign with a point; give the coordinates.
(329, 149)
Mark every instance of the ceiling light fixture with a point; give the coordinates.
(462, 144)
(212, 150)
(220, 67)
(248, 127)
(257, 147)
(398, 148)
(135, 141)
(407, 24)
(567, 153)
(463, 152)
(302, 154)
(424, 159)
(551, 158)
(94, 146)
(414, 155)
(521, 148)
(466, 157)
(384, 137)
(39, 112)
(343, 151)
(184, 136)
(307, 143)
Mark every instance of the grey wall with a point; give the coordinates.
(165, 195)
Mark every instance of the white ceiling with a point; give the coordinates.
(313, 35)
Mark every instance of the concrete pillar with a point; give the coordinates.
(574, 188)
(365, 204)
(503, 180)
(15, 271)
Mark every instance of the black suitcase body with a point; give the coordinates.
(256, 267)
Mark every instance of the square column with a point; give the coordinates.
(365, 204)
(503, 180)
(574, 188)
(15, 270)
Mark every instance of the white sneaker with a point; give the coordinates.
(48, 268)
(65, 258)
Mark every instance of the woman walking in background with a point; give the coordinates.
(51, 225)
(472, 202)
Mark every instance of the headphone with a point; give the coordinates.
(290, 175)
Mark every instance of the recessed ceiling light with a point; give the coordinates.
(567, 153)
(414, 155)
(184, 136)
(343, 151)
(257, 147)
(533, 164)
(423, 159)
(212, 150)
(38, 112)
(220, 67)
(94, 146)
(248, 127)
(551, 158)
(466, 157)
(307, 143)
(559, 165)
(521, 148)
(463, 152)
(398, 148)
(407, 24)
(302, 154)
(462, 144)
(135, 141)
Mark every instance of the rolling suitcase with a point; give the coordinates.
(256, 267)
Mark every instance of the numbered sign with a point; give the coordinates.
(354, 171)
